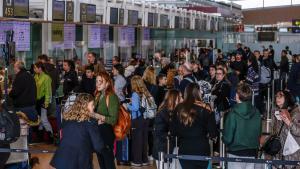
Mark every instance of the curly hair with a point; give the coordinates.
(79, 110)
(149, 75)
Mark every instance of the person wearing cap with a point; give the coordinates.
(188, 77)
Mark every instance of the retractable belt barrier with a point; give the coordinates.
(225, 159)
(7, 150)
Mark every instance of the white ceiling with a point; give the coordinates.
(246, 4)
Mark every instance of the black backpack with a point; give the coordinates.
(9, 127)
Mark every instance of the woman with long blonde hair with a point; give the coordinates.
(139, 125)
(81, 137)
(149, 78)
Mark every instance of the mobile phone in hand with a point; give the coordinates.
(277, 115)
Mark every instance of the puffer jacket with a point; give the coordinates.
(295, 131)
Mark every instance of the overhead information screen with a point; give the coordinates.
(296, 26)
(21, 8)
(58, 10)
(164, 22)
(155, 19)
(133, 17)
(121, 16)
(177, 22)
(16, 8)
(187, 23)
(266, 36)
(114, 16)
(150, 19)
(87, 12)
(70, 11)
(91, 13)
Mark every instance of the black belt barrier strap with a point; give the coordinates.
(240, 160)
(6, 150)
(180, 157)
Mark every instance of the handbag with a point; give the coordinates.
(123, 124)
(290, 146)
(273, 145)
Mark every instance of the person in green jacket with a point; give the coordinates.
(242, 128)
(44, 94)
(107, 113)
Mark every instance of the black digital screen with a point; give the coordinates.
(70, 11)
(187, 23)
(133, 17)
(114, 16)
(197, 24)
(150, 19)
(164, 21)
(91, 13)
(266, 36)
(87, 12)
(21, 8)
(155, 20)
(58, 10)
(177, 22)
(16, 8)
(121, 16)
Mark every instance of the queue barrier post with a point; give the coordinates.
(269, 109)
(161, 157)
(253, 96)
(222, 145)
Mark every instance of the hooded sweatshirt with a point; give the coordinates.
(242, 129)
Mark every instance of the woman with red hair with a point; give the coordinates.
(107, 108)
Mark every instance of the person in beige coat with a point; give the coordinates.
(287, 113)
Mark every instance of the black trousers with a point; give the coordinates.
(4, 156)
(187, 164)
(150, 136)
(139, 134)
(106, 159)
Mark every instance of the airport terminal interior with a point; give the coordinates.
(152, 84)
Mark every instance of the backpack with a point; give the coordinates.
(123, 124)
(9, 127)
(148, 107)
(205, 88)
(265, 75)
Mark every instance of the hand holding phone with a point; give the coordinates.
(277, 115)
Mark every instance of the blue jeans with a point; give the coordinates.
(30, 112)
(21, 165)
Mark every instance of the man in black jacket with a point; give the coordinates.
(70, 78)
(23, 92)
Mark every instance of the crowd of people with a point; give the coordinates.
(172, 103)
